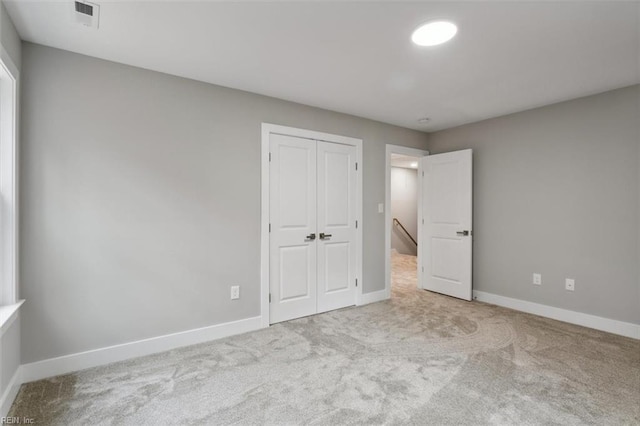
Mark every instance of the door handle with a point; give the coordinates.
(324, 236)
(311, 237)
(464, 233)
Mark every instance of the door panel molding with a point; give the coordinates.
(267, 130)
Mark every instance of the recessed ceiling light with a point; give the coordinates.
(434, 33)
(414, 165)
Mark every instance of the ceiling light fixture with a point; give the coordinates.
(414, 165)
(434, 33)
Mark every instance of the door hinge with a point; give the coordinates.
(269, 297)
(423, 269)
(356, 282)
(269, 227)
(356, 224)
(422, 172)
(422, 222)
(356, 166)
(269, 156)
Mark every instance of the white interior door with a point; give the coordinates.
(293, 247)
(446, 237)
(336, 225)
(312, 210)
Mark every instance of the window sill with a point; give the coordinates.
(8, 314)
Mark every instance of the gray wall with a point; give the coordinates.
(141, 200)
(9, 37)
(10, 338)
(404, 207)
(556, 191)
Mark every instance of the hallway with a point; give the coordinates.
(404, 273)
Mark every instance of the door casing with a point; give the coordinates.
(267, 129)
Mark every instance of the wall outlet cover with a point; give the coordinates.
(570, 284)
(235, 292)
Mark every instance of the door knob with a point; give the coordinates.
(311, 237)
(464, 233)
(324, 236)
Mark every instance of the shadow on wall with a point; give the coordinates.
(402, 242)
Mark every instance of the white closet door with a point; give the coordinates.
(293, 246)
(336, 225)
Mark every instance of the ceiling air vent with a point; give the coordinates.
(86, 13)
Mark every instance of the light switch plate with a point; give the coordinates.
(537, 279)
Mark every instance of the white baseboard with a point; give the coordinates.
(10, 392)
(621, 328)
(93, 358)
(374, 296)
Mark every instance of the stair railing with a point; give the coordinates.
(397, 222)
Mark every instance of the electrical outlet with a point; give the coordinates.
(570, 284)
(537, 279)
(235, 292)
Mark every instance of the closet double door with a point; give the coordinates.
(312, 240)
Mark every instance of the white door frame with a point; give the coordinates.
(413, 152)
(267, 129)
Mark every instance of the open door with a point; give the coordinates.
(445, 239)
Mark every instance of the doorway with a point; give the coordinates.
(404, 224)
(444, 238)
(401, 217)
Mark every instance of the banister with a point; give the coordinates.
(397, 222)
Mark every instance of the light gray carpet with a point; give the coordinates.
(420, 358)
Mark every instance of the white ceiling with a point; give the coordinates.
(356, 57)
(404, 161)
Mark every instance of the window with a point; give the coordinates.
(8, 180)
